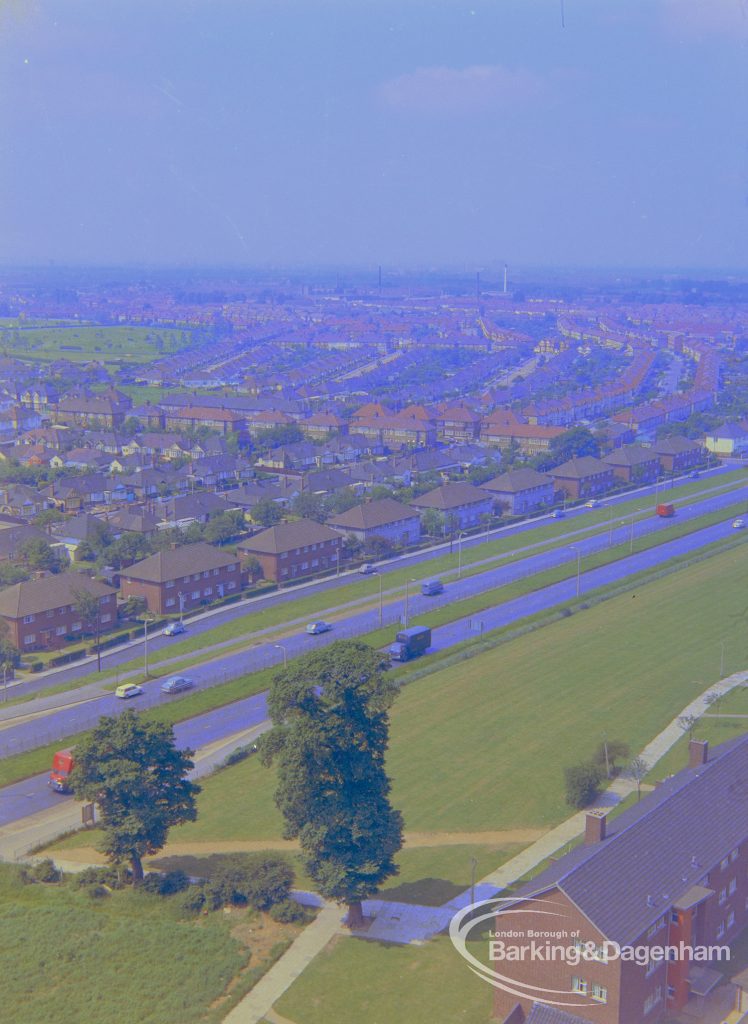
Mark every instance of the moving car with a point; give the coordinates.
(432, 587)
(366, 569)
(592, 503)
(125, 690)
(738, 524)
(176, 684)
(174, 628)
(318, 627)
(694, 474)
(557, 513)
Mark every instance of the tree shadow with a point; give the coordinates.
(430, 892)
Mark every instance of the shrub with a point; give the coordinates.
(194, 900)
(583, 783)
(245, 878)
(165, 884)
(109, 876)
(45, 871)
(616, 750)
(98, 892)
(288, 912)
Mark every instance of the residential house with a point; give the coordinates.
(385, 518)
(105, 411)
(677, 454)
(731, 439)
(669, 874)
(633, 464)
(583, 477)
(182, 578)
(290, 551)
(461, 504)
(520, 491)
(41, 613)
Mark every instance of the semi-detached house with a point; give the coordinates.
(384, 518)
(41, 614)
(182, 578)
(289, 551)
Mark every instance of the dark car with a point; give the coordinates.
(176, 684)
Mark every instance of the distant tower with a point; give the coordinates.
(506, 268)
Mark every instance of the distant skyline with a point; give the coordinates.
(424, 133)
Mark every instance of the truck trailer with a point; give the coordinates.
(62, 765)
(410, 643)
(666, 509)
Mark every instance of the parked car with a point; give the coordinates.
(366, 569)
(592, 503)
(738, 524)
(694, 474)
(174, 628)
(432, 587)
(557, 513)
(318, 627)
(125, 690)
(176, 684)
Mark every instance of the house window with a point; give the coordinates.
(304, 565)
(76, 627)
(196, 576)
(735, 853)
(731, 919)
(579, 985)
(674, 916)
(315, 563)
(170, 602)
(721, 930)
(208, 591)
(284, 572)
(60, 631)
(231, 585)
(732, 886)
(206, 574)
(30, 639)
(725, 864)
(51, 613)
(670, 992)
(232, 567)
(106, 618)
(600, 993)
(195, 595)
(29, 618)
(722, 896)
(170, 584)
(216, 571)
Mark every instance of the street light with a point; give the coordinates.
(407, 595)
(180, 595)
(281, 647)
(147, 617)
(579, 564)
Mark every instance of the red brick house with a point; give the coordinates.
(521, 490)
(182, 578)
(41, 614)
(385, 518)
(678, 453)
(672, 868)
(583, 477)
(289, 551)
(633, 464)
(462, 504)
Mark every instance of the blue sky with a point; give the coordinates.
(416, 133)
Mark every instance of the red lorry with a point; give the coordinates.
(62, 765)
(666, 509)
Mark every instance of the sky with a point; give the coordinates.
(416, 133)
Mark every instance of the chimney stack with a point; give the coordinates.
(698, 753)
(595, 826)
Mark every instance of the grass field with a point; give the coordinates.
(83, 344)
(125, 959)
(383, 984)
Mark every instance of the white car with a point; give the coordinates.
(738, 524)
(366, 569)
(592, 503)
(174, 628)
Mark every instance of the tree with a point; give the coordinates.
(608, 752)
(134, 772)
(87, 606)
(310, 506)
(432, 522)
(688, 723)
(573, 443)
(38, 554)
(221, 528)
(267, 512)
(330, 715)
(637, 769)
(583, 783)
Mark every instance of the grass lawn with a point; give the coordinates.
(105, 344)
(374, 983)
(123, 959)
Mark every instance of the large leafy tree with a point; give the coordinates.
(134, 772)
(330, 714)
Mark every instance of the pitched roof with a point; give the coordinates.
(516, 480)
(580, 466)
(49, 592)
(181, 561)
(287, 536)
(630, 455)
(658, 849)
(452, 495)
(372, 514)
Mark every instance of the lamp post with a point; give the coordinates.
(146, 619)
(281, 647)
(180, 595)
(579, 564)
(407, 595)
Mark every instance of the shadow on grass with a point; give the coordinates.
(430, 892)
(200, 867)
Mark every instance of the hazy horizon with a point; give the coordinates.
(419, 135)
